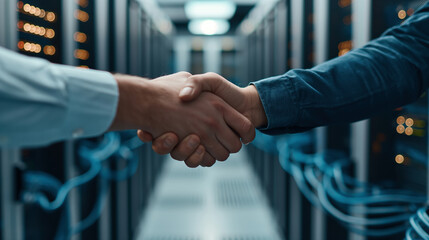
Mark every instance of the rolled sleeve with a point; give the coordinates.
(276, 94)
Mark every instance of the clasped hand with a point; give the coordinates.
(201, 118)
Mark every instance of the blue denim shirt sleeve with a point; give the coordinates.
(41, 102)
(388, 72)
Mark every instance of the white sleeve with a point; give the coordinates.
(41, 102)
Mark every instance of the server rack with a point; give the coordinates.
(266, 53)
(394, 143)
(333, 38)
(82, 37)
(397, 150)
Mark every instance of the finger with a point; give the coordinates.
(228, 138)
(210, 82)
(198, 161)
(165, 143)
(144, 136)
(240, 124)
(186, 147)
(197, 157)
(208, 160)
(216, 149)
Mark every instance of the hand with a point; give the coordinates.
(245, 100)
(154, 107)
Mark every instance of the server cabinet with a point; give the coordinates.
(398, 140)
(91, 34)
(302, 219)
(40, 32)
(333, 38)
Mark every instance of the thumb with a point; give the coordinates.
(208, 82)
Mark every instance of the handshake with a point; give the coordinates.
(198, 119)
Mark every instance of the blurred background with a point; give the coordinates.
(366, 180)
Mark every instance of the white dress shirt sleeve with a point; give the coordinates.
(41, 102)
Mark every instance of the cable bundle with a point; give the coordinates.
(95, 157)
(361, 207)
(419, 226)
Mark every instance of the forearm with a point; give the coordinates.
(132, 108)
(255, 112)
(389, 72)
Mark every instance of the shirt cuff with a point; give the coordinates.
(277, 99)
(92, 101)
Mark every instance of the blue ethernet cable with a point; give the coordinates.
(95, 213)
(44, 202)
(418, 229)
(370, 194)
(302, 185)
(379, 210)
(120, 151)
(354, 220)
(377, 232)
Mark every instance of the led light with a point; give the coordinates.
(400, 120)
(83, 3)
(50, 16)
(49, 50)
(27, 46)
(343, 52)
(208, 27)
(399, 159)
(27, 7)
(409, 131)
(402, 14)
(38, 48)
(409, 122)
(81, 15)
(37, 12)
(400, 129)
(32, 10)
(81, 54)
(21, 45)
(210, 9)
(50, 33)
(80, 37)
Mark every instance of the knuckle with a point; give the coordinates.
(247, 125)
(211, 122)
(248, 130)
(212, 74)
(184, 73)
(219, 106)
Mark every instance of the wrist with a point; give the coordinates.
(255, 109)
(131, 105)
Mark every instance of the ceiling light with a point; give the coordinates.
(210, 9)
(208, 27)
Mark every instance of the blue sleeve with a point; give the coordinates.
(41, 102)
(388, 72)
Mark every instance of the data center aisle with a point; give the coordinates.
(224, 202)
